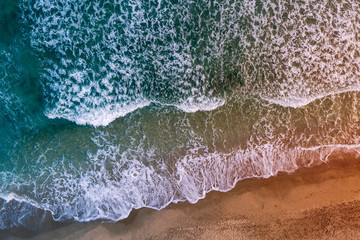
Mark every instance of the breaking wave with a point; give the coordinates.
(190, 96)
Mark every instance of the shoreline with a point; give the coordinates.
(318, 202)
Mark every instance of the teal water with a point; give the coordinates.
(109, 106)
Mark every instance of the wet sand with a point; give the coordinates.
(316, 203)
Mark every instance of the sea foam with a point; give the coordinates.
(101, 60)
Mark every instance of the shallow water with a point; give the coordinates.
(109, 106)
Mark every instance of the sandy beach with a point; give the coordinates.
(109, 107)
(316, 203)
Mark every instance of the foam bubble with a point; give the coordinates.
(288, 54)
(299, 52)
(200, 174)
(111, 195)
(19, 214)
(103, 60)
(95, 116)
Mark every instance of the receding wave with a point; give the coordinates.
(195, 176)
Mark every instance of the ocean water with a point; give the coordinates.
(113, 105)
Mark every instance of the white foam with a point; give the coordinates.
(310, 53)
(110, 64)
(298, 102)
(116, 181)
(198, 175)
(21, 199)
(95, 116)
(296, 59)
(112, 195)
(200, 104)
(127, 173)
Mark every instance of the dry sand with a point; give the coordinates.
(318, 203)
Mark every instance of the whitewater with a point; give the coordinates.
(109, 106)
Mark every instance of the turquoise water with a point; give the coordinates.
(109, 106)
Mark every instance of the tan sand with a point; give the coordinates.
(317, 203)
